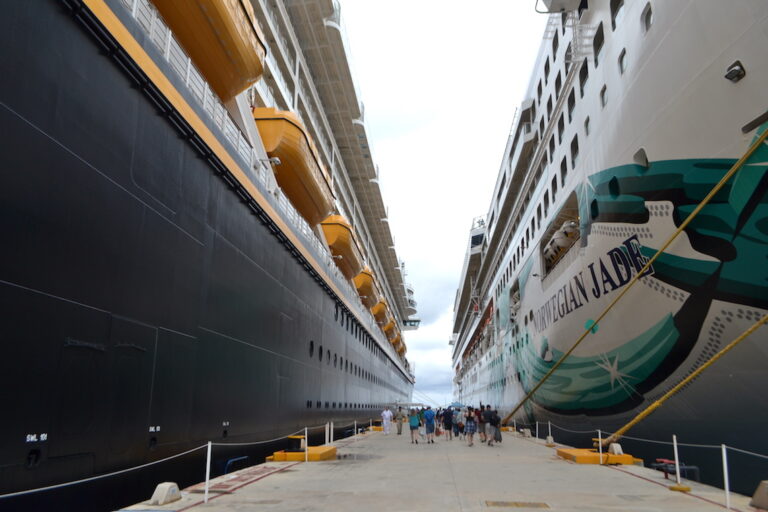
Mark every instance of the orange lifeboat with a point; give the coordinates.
(402, 350)
(222, 39)
(343, 245)
(396, 340)
(389, 328)
(301, 175)
(366, 287)
(379, 311)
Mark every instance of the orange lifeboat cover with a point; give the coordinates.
(380, 311)
(366, 287)
(341, 240)
(301, 174)
(222, 38)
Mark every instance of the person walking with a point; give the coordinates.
(399, 417)
(448, 423)
(386, 419)
(489, 428)
(429, 423)
(413, 423)
(469, 426)
(480, 423)
(456, 420)
(496, 422)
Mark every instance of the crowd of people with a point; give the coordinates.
(452, 422)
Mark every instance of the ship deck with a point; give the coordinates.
(386, 472)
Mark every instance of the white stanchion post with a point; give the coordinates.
(537, 430)
(306, 444)
(330, 432)
(370, 425)
(549, 428)
(207, 471)
(355, 434)
(677, 462)
(514, 425)
(600, 444)
(727, 486)
(326, 433)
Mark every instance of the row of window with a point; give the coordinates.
(350, 323)
(347, 366)
(343, 405)
(542, 210)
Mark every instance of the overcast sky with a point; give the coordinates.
(440, 80)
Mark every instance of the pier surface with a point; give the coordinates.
(386, 472)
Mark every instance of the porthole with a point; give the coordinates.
(335, 360)
(320, 353)
(311, 348)
(328, 357)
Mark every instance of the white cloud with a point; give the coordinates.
(440, 80)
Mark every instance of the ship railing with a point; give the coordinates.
(162, 37)
(348, 431)
(540, 429)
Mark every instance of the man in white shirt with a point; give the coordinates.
(386, 419)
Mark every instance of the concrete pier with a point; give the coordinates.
(386, 472)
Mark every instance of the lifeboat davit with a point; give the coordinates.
(222, 39)
(379, 311)
(301, 174)
(341, 240)
(366, 287)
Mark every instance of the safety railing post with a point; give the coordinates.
(306, 444)
(537, 429)
(370, 425)
(330, 432)
(207, 471)
(355, 432)
(727, 486)
(677, 461)
(600, 444)
(514, 425)
(549, 429)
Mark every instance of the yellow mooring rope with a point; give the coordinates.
(755, 145)
(658, 403)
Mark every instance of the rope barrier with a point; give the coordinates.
(574, 431)
(98, 477)
(106, 475)
(261, 442)
(748, 452)
(755, 145)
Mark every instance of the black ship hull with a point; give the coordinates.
(147, 308)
